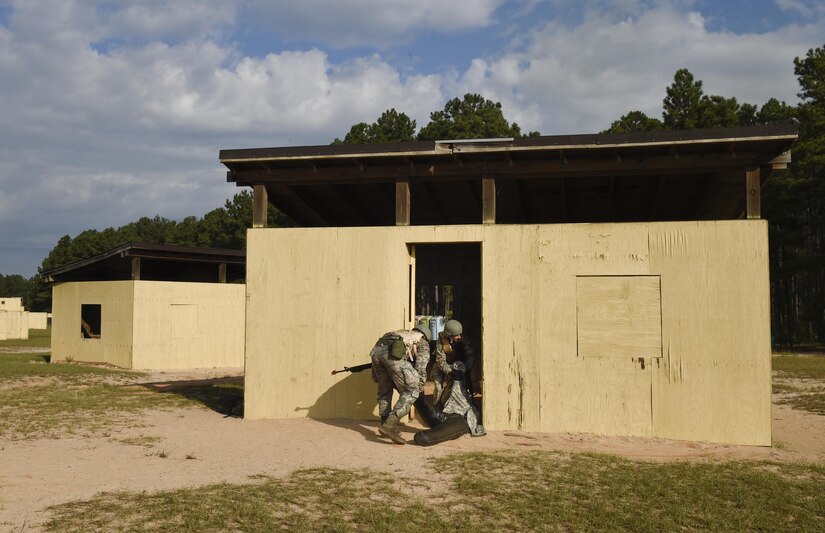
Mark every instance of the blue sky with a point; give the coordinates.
(110, 111)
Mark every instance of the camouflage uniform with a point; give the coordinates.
(399, 373)
(456, 399)
(462, 350)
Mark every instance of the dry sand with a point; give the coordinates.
(202, 446)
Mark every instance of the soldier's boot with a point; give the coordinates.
(388, 429)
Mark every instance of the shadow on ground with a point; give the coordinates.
(222, 395)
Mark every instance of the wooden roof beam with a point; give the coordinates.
(488, 200)
(447, 169)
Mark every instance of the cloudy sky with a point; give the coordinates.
(114, 110)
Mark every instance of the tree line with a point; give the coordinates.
(793, 201)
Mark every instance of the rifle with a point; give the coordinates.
(353, 369)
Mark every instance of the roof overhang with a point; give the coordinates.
(661, 175)
(160, 262)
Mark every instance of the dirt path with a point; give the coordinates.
(202, 446)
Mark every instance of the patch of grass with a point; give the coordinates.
(551, 491)
(807, 393)
(25, 365)
(813, 402)
(55, 410)
(39, 338)
(308, 500)
(800, 366)
(147, 441)
(49, 400)
(500, 491)
(785, 388)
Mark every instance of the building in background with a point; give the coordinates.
(144, 306)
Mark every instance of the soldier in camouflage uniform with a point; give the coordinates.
(452, 346)
(393, 358)
(454, 362)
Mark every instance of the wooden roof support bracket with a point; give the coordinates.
(488, 199)
(753, 192)
(135, 268)
(260, 202)
(402, 202)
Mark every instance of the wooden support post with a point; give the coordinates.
(753, 191)
(402, 202)
(488, 200)
(222, 273)
(259, 206)
(135, 268)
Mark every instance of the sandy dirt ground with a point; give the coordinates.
(202, 446)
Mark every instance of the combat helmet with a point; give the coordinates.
(426, 331)
(453, 327)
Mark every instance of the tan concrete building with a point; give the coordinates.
(145, 306)
(617, 284)
(14, 319)
(39, 320)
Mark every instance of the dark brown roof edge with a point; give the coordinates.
(170, 251)
(657, 136)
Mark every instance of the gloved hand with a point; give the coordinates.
(457, 374)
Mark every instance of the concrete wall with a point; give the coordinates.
(116, 300)
(11, 304)
(188, 325)
(38, 320)
(14, 324)
(658, 329)
(152, 324)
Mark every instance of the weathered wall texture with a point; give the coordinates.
(658, 329)
(152, 324)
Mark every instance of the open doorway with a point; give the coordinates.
(448, 284)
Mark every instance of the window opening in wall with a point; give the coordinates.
(90, 321)
(448, 285)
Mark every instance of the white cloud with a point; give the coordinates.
(809, 8)
(380, 23)
(579, 79)
(108, 114)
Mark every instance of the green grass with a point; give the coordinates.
(58, 410)
(15, 366)
(800, 366)
(808, 394)
(39, 400)
(498, 491)
(40, 338)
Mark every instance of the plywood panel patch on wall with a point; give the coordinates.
(619, 316)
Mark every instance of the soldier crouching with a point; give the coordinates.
(392, 368)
